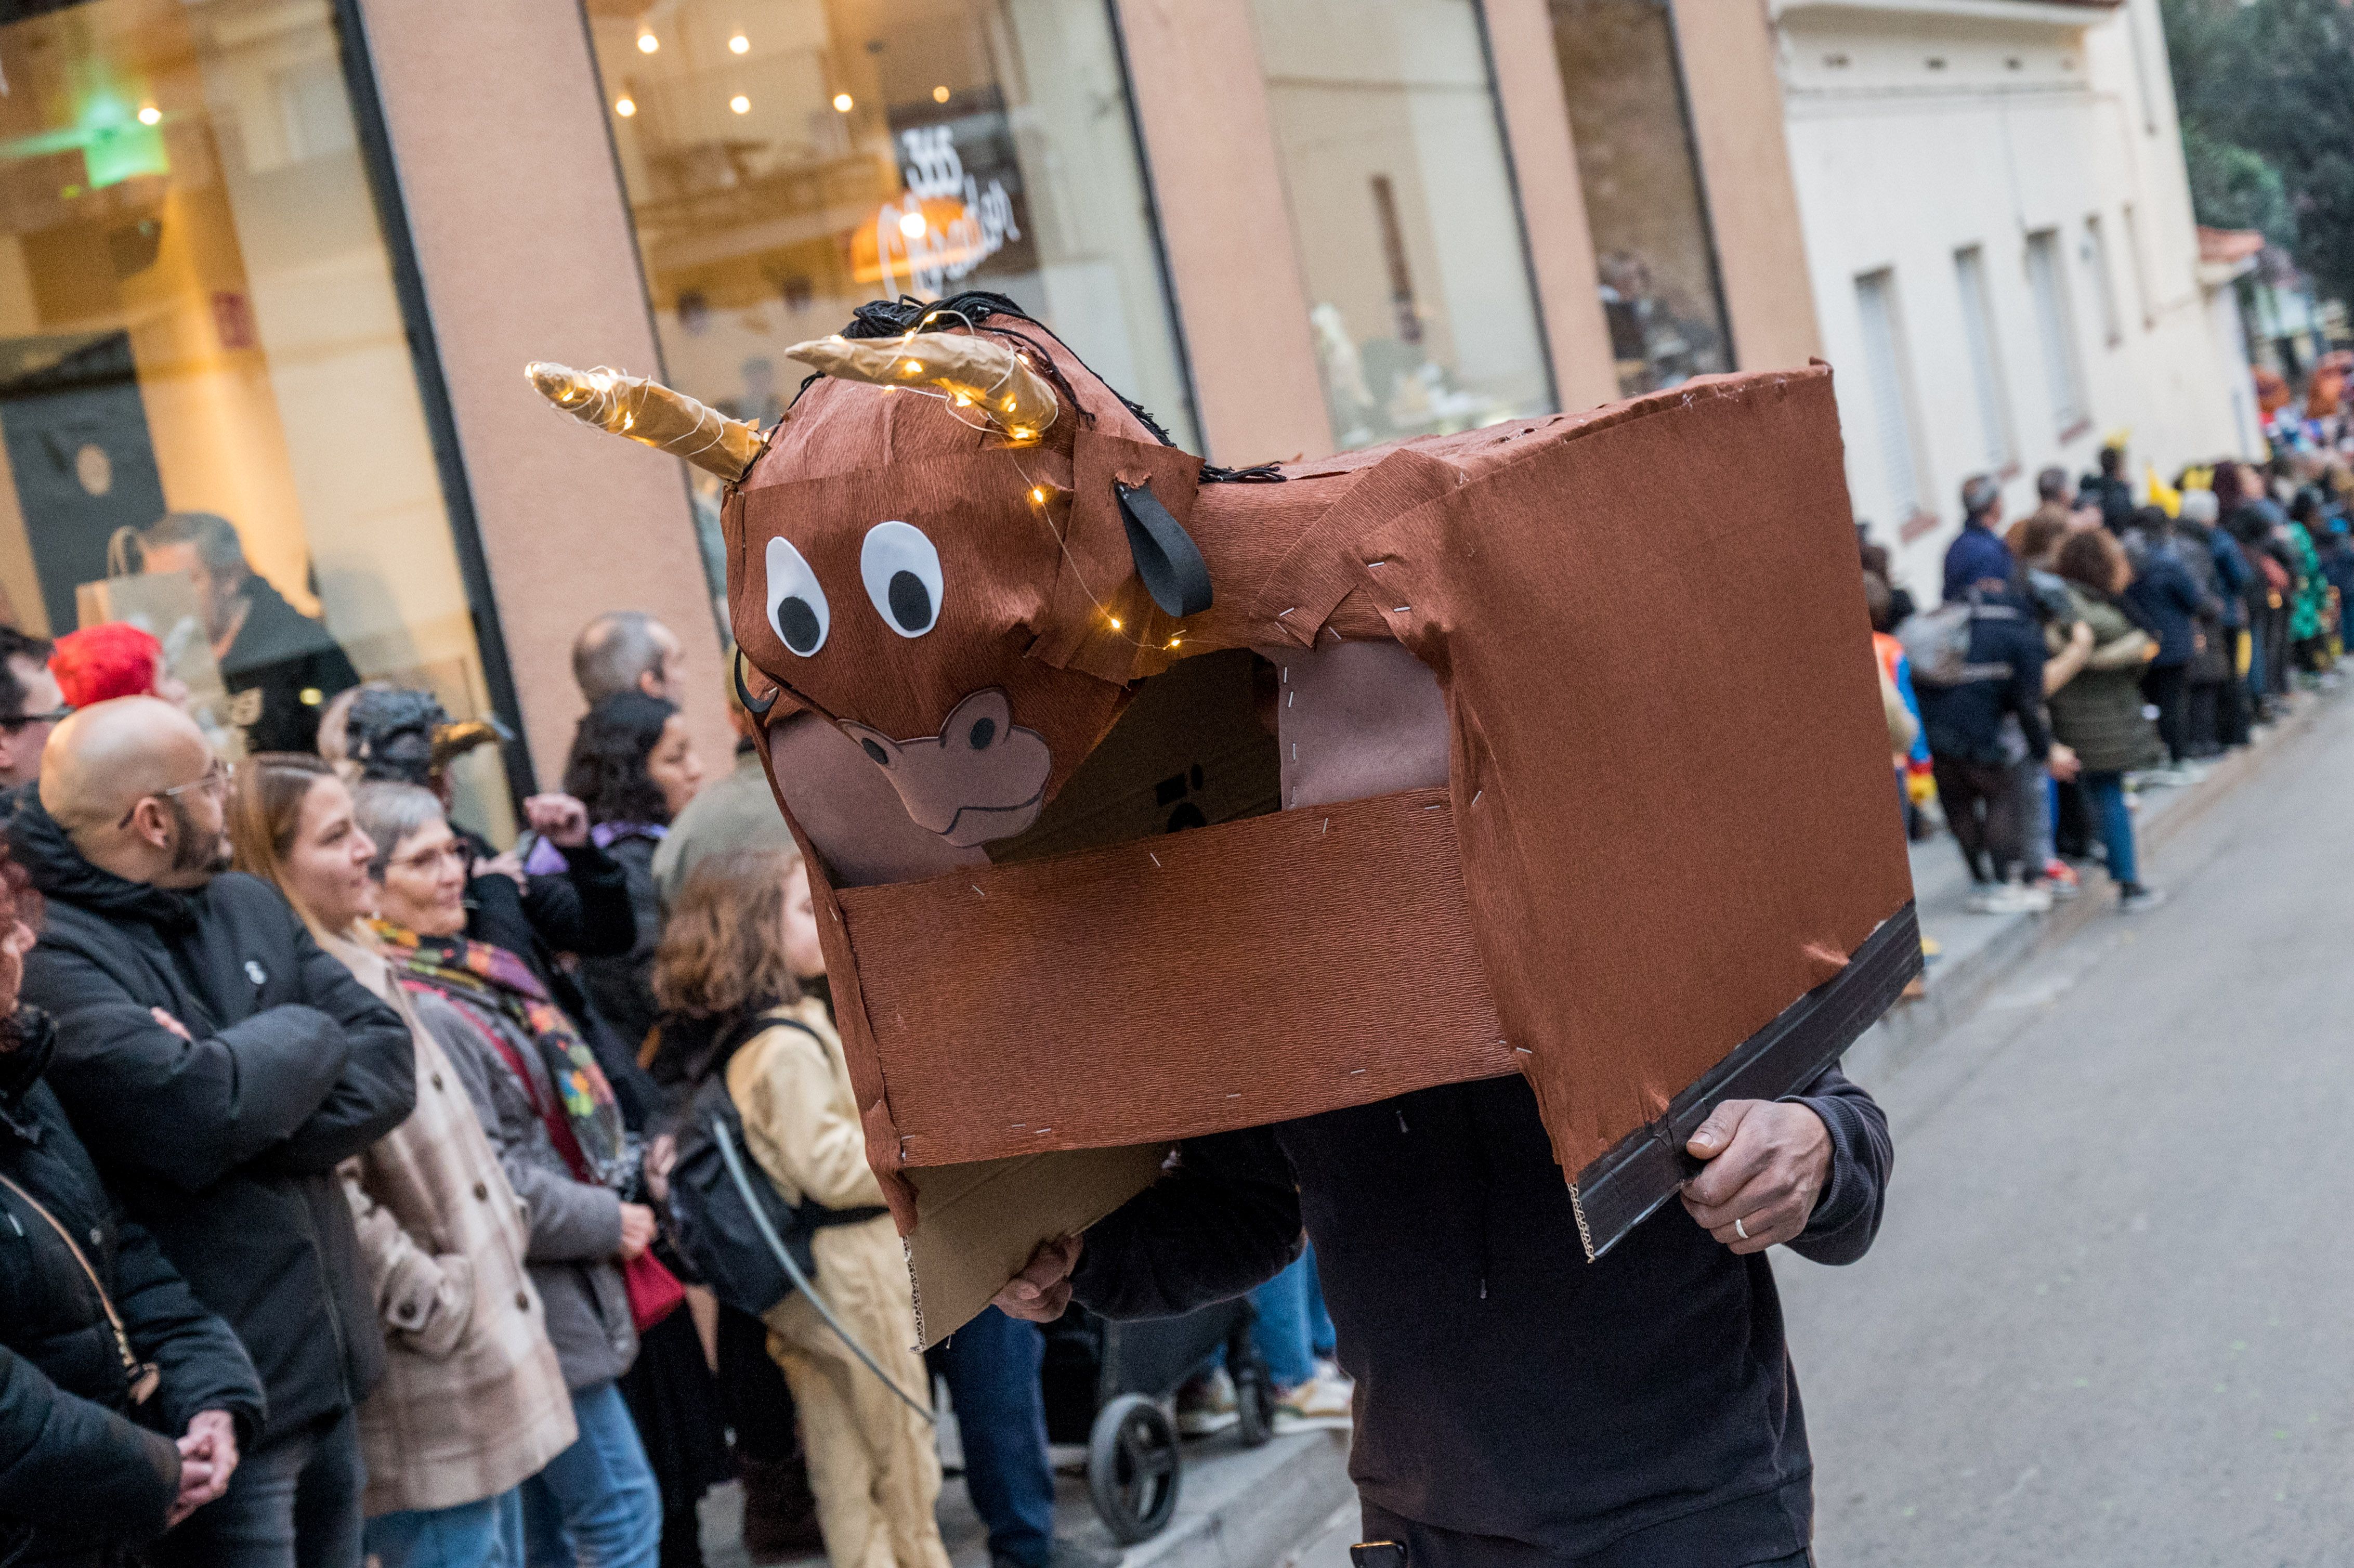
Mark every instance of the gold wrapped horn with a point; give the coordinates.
(975, 372)
(651, 414)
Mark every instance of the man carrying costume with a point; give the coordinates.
(1517, 1405)
(1475, 1016)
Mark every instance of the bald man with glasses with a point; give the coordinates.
(219, 1064)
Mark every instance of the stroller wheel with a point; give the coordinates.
(1132, 1470)
(1254, 1400)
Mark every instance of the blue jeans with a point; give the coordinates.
(596, 1505)
(294, 1503)
(485, 1534)
(992, 1366)
(2107, 793)
(1292, 1325)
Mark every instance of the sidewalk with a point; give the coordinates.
(1969, 954)
(1236, 1507)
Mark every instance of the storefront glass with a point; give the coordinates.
(198, 314)
(1402, 207)
(787, 161)
(1643, 199)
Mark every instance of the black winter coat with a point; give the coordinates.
(280, 671)
(225, 1146)
(1641, 1405)
(80, 1467)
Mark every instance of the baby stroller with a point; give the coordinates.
(1108, 1385)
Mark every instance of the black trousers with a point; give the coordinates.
(1427, 1547)
(1982, 807)
(2161, 685)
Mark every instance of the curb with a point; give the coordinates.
(1912, 1027)
(1253, 1506)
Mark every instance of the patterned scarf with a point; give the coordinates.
(588, 1131)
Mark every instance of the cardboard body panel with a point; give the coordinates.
(1010, 1011)
(1670, 776)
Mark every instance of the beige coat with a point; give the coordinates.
(871, 1459)
(472, 1402)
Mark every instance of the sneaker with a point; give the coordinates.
(1330, 1370)
(2060, 880)
(1320, 1403)
(2133, 898)
(2011, 898)
(1206, 1404)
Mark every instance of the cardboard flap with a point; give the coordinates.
(977, 1224)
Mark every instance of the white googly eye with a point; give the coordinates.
(797, 612)
(903, 576)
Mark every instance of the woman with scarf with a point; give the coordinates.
(2100, 713)
(551, 1116)
(472, 1402)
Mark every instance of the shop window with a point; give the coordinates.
(787, 161)
(1407, 225)
(1644, 202)
(198, 314)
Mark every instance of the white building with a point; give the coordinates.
(1998, 227)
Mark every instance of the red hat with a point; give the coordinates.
(98, 663)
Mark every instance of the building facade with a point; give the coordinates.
(284, 259)
(2005, 268)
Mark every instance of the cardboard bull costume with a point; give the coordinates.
(1551, 747)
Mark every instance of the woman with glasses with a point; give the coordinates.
(551, 1116)
(472, 1400)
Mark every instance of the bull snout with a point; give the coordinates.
(981, 778)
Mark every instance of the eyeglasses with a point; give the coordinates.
(215, 782)
(58, 714)
(427, 860)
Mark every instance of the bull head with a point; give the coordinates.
(960, 547)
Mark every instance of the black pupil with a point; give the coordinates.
(984, 730)
(911, 601)
(797, 621)
(876, 752)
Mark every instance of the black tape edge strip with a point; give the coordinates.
(1166, 556)
(1621, 1189)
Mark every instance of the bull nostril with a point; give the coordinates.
(984, 730)
(881, 757)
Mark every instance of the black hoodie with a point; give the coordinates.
(1516, 1403)
(224, 1147)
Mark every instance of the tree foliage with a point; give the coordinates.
(2266, 93)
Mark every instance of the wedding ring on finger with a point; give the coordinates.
(1739, 1230)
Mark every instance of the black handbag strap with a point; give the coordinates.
(140, 1377)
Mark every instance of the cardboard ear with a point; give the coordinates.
(1166, 557)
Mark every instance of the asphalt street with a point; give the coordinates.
(2110, 1315)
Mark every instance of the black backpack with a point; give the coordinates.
(712, 1224)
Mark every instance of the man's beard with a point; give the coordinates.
(193, 847)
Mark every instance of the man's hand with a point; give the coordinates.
(1767, 1162)
(561, 820)
(170, 1022)
(1042, 1290)
(2063, 762)
(636, 1230)
(208, 1459)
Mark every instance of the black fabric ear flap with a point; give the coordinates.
(1166, 556)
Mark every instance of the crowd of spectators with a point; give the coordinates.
(2097, 648)
(336, 1140)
